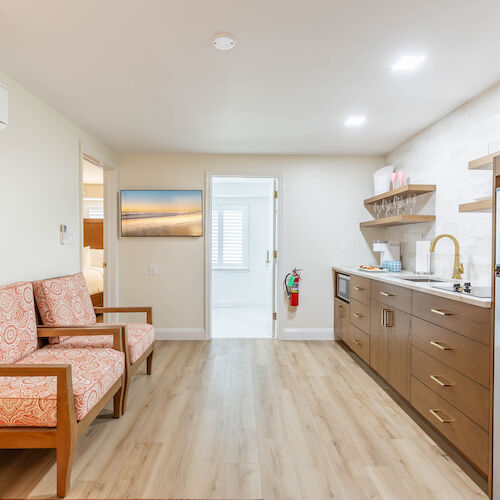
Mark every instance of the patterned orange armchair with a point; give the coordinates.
(66, 301)
(49, 396)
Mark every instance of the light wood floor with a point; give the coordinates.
(250, 419)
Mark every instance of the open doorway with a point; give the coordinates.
(93, 229)
(243, 257)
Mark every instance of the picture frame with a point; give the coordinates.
(161, 213)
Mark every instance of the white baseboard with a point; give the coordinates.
(306, 334)
(180, 334)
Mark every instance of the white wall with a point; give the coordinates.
(439, 155)
(322, 205)
(39, 188)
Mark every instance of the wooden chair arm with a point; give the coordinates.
(39, 370)
(118, 331)
(66, 413)
(146, 309)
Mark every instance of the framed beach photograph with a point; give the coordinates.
(172, 212)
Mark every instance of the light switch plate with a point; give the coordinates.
(153, 269)
(344, 248)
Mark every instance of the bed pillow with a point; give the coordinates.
(87, 258)
(96, 257)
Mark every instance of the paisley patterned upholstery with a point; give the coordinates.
(140, 337)
(64, 301)
(32, 401)
(18, 336)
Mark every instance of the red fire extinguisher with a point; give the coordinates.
(291, 284)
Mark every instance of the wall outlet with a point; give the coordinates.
(344, 247)
(153, 269)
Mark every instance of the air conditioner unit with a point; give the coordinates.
(4, 106)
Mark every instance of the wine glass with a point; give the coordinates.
(401, 178)
(396, 201)
(383, 207)
(412, 201)
(394, 176)
(388, 206)
(377, 207)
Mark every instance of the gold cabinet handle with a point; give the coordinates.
(437, 344)
(438, 381)
(358, 288)
(388, 317)
(441, 313)
(356, 341)
(357, 315)
(387, 294)
(445, 420)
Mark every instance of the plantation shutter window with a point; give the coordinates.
(230, 237)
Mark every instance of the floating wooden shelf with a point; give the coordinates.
(398, 220)
(408, 189)
(483, 163)
(476, 206)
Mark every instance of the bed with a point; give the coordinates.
(93, 259)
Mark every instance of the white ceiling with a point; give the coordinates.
(142, 76)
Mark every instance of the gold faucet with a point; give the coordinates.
(458, 268)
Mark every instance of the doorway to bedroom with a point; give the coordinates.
(93, 229)
(242, 256)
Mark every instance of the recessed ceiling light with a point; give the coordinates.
(355, 121)
(223, 41)
(408, 63)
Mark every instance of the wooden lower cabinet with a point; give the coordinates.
(434, 352)
(472, 399)
(466, 435)
(399, 352)
(378, 339)
(390, 346)
(341, 319)
(359, 342)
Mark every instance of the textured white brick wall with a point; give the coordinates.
(439, 155)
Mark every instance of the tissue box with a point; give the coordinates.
(393, 266)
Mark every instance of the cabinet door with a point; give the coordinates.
(378, 339)
(398, 351)
(341, 319)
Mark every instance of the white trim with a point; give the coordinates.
(208, 248)
(180, 334)
(111, 247)
(306, 334)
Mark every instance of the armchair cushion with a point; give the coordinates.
(64, 301)
(18, 335)
(32, 401)
(140, 337)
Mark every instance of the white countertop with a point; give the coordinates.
(395, 278)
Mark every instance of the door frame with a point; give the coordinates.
(110, 226)
(208, 242)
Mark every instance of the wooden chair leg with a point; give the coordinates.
(118, 403)
(124, 390)
(149, 363)
(65, 452)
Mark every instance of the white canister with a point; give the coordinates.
(382, 180)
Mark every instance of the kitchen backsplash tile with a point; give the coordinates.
(440, 155)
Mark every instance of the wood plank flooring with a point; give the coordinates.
(245, 419)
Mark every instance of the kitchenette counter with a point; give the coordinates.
(396, 279)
